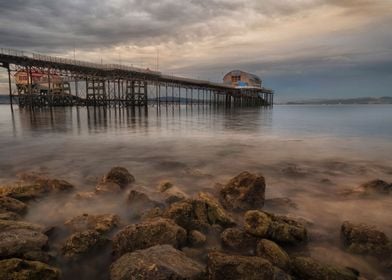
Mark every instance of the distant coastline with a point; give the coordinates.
(359, 100)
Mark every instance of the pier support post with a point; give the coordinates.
(9, 84)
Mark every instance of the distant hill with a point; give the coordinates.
(360, 100)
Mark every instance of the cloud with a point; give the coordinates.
(204, 38)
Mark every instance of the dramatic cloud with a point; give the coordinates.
(301, 48)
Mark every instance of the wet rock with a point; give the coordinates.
(272, 252)
(365, 239)
(20, 242)
(10, 216)
(292, 171)
(196, 238)
(18, 269)
(158, 262)
(278, 228)
(257, 223)
(80, 243)
(153, 213)
(8, 204)
(306, 268)
(141, 200)
(108, 188)
(377, 186)
(222, 266)
(120, 176)
(199, 213)
(244, 192)
(164, 186)
(102, 223)
(237, 239)
(85, 195)
(10, 225)
(149, 233)
(174, 194)
(25, 191)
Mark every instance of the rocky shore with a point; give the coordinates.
(225, 234)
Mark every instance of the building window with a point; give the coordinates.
(235, 79)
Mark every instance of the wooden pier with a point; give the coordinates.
(92, 84)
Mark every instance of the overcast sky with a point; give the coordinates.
(300, 48)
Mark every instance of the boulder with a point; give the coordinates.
(272, 252)
(244, 192)
(107, 188)
(237, 239)
(141, 200)
(83, 242)
(159, 262)
(196, 238)
(8, 204)
(164, 186)
(278, 228)
(21, 242)
(10, 225)
(174, 194)
(199, 213)
(18, 269)
(306, 268)
(120, 176)
(25, 191)
(377, 186)
(102, 223)
(152, 213)
(149, 233)
(10, 216)
(365, 239)
(233, 267)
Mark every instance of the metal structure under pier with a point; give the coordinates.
(69, 82)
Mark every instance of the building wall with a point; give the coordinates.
(241, 79)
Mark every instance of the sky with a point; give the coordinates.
(303, 49)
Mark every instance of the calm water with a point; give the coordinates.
(307, 153)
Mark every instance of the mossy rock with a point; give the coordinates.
(18, 269)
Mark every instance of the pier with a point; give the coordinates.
(67, 82)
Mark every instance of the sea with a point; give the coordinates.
(310, 155)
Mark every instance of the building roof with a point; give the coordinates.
(240, 72)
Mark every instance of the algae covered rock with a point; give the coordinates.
(278, 228)
(149, 233)
(233, 267)
(18, 269)
(306, 268)
(365, 239)
(120, 176)
(159, 262)
(271, 251)
(83, 242)
(244, 192)
(199, 213)
(8, 204)
(237, 239)
(377, 187)
(102, 223)
(196, 238)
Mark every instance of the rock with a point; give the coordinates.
(199, 213)
(244, 192)
(80, 243)
(228, 267)
(293, 171)
(365, 239)
(274, 253)
(108, 188)
(140, 200)
(306, 268)
(20, 242)
(102, 223)
(164, 186)
(149, 233)
(257, 223)
(17, 269)
(152, 213)
(158, 262)
(8, 204)
(10, 225)
(174, 194)
(85, 195)
(120, 176)
(31, 190)
(281, 203)
(237, 239)
(196, 238)
(377, 186)
(277, 228)
(10, 216)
